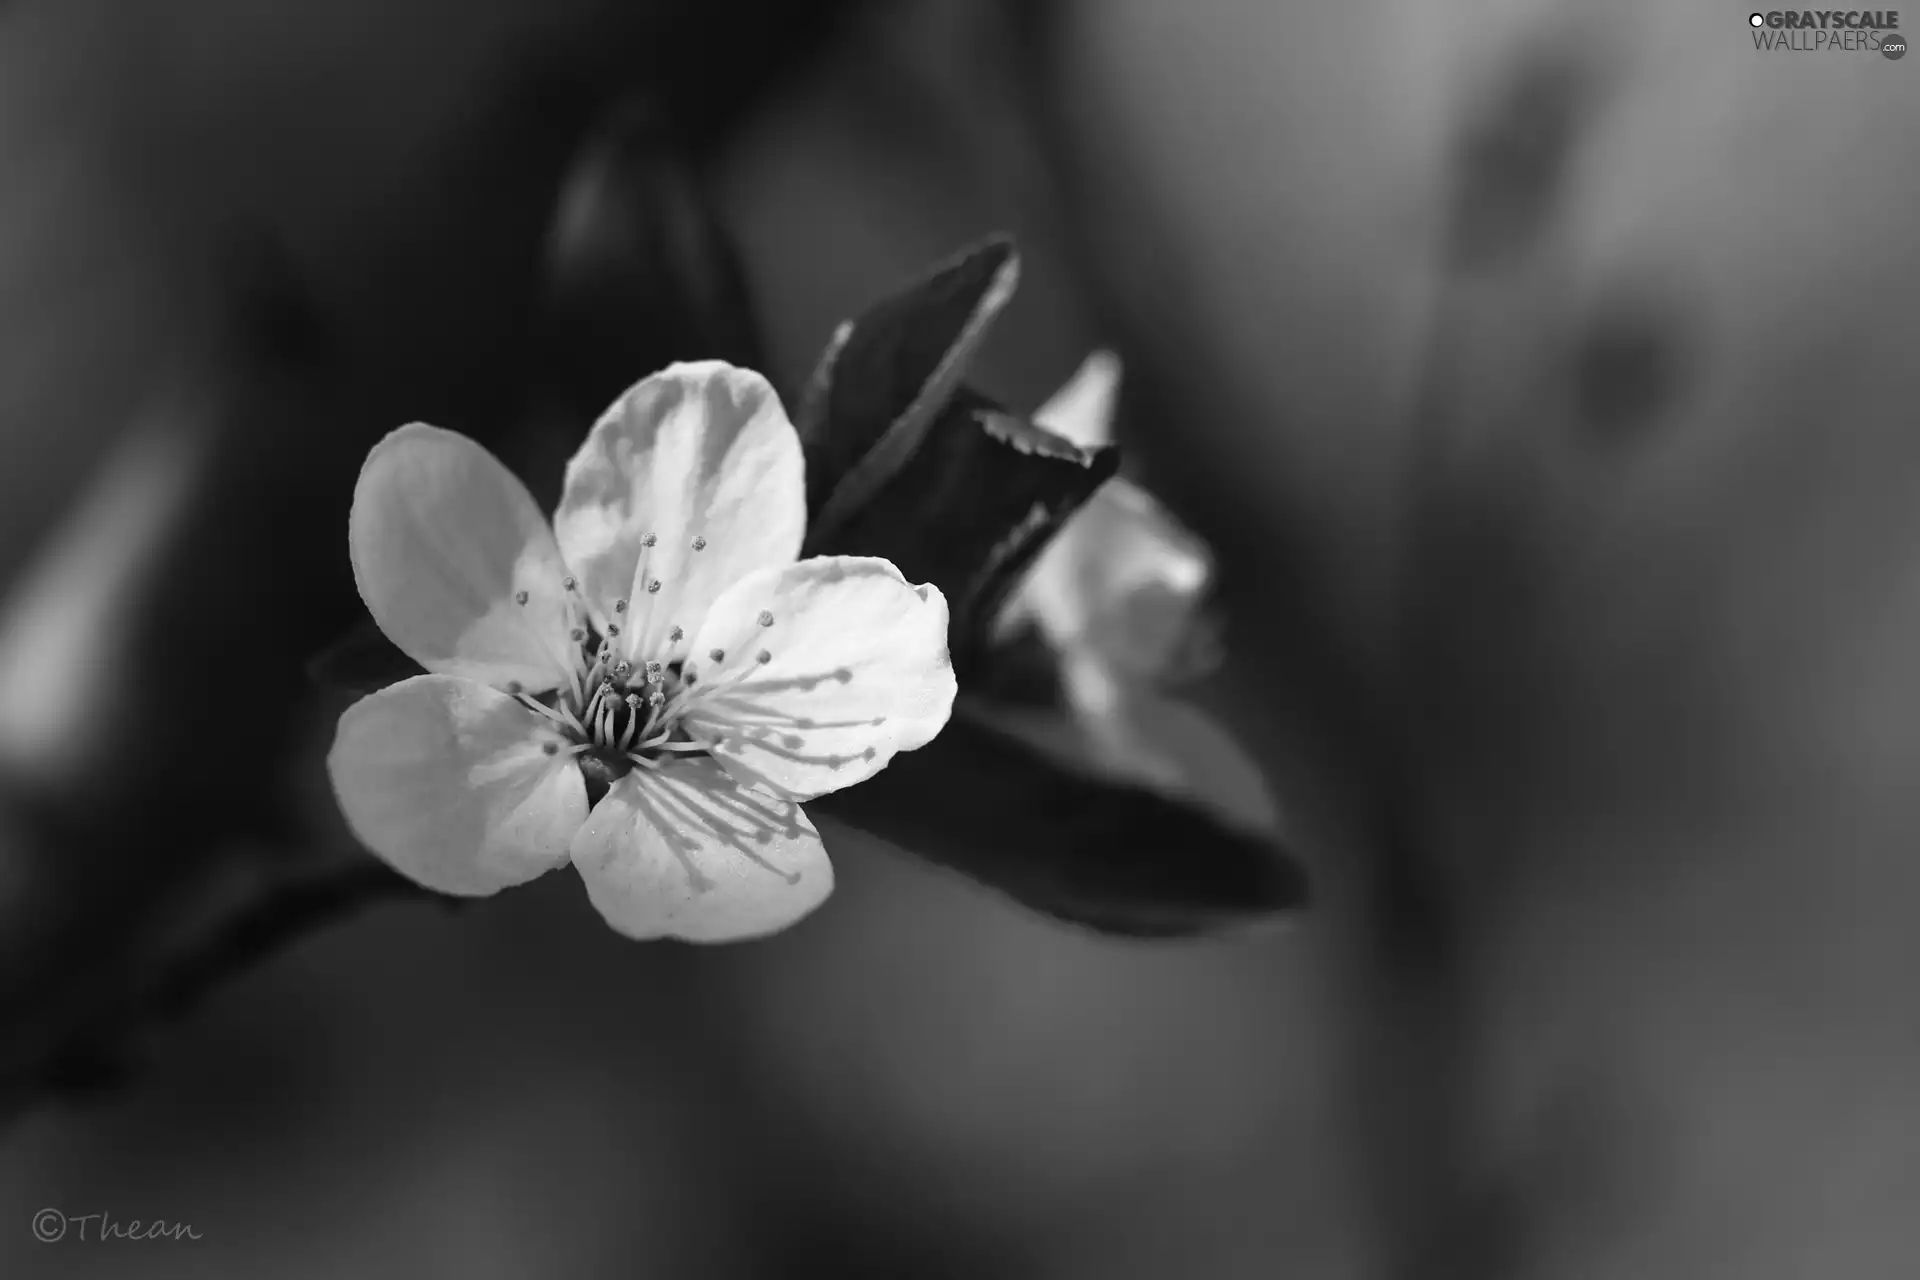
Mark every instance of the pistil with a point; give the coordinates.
(621, 709)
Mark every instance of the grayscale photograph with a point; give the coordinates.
(959, 640)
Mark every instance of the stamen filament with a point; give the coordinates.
(533, 704)
(689, 694)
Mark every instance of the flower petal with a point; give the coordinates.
(686, 852)
(450, 782)
(1082, 409)
(696, 455)
(856, 669)
(1124, 579)
(442, 537)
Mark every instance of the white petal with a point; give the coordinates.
(449, 781)
(696, 452)
(443, 536)
(1082, 409)
(857, 669)
(1123, 579)
(686, 852)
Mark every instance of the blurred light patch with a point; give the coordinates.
(63, 623)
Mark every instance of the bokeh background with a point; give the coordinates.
(1540, 371)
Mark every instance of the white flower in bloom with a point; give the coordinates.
(1117, 596)
(658, 641)
(1123, 578)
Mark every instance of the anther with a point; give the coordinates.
(718, 655)
(579, 635)
(673, 636)
(569, 583)
(633, 702)
(551, 748)
(699, 544)
(648, 541)
(654, 668)
(622, 668)
(613, 628)
(619, 606)
(763, 657)
(766, 617)
(653, 587)
(519, 597)
(655, 698)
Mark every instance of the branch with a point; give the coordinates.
(82, 1032)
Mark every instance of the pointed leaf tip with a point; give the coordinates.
(890, 371)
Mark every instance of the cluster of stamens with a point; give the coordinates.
(620, 713)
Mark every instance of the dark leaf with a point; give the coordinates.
(890, 371)
(1119, 859)
(971, 509)
(360, 662)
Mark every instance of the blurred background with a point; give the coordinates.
(1540, 371)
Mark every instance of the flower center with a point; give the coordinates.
(619, 714)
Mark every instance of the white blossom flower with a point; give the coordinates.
(658, 643)
(1123, 578)
(1117, 596)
